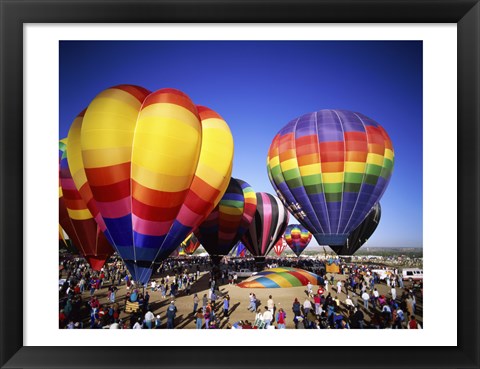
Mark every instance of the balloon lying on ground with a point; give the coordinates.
(297, 238)
(361, 234)
(267, 226)
(79, 223)
(155, 164)
(281, 278)
(329, 168)
(230, 219)
(280, 246)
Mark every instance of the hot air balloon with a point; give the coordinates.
(280, 246)
(156, 165)
(297, 238)
(329, 168)
(361, 234)
(190, 244)
(82, 227)
(241, 250)
(266, 228)
(227, 223)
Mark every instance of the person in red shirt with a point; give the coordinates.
(316, 300)
(62, 319)
(413, 324)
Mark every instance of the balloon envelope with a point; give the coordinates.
(267, 226)
(280, 246)
(85, 233)
(361, 234)
(190, 244)
(329, 168)
(227, 223)
(297, 238)
(156, 165)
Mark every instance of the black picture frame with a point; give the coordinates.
(14, 14)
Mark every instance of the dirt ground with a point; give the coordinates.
(239, 301)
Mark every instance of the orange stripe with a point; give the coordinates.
(170, 96)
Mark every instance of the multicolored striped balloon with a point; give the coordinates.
(157, 165)
(297, 238)
(227, 223)
(84, 231)
(267, 226)
(281, 278)
(280, 246)
(329, 168)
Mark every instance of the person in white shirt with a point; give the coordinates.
(137, 324)
(271, 304)
(339, 287)
(394, 293)
(349, 302)
(307, 306)
(267, 317)
(149, 319)
(326, 284)
(309, 289)
(365, 298)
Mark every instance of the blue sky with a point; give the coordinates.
(259, 86)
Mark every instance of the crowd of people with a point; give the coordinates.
(351, 301)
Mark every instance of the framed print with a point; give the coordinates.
(170, 217)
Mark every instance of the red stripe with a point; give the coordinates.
(153, 213)
(137, 92)
(171, 96)
(113, 192)
(207, 113)
(107, 175)
(157, 198)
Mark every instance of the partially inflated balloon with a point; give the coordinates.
(86, 234)
(361, 234)
(190, 244)
(280, 246)
(230, 219)
(297, 238)
(329, 168)
(156, 165)
(267, 226)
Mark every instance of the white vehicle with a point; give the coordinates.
(245, 273)
(382, 273)
(412, 274)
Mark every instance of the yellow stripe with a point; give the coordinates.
(279, 279)
(60, 192)
(163, 111)
(106, 157)
(289, 164)
(171, 154)
(354, 167)
(82, 214)
(274, 161)
(333, 177)
(311, 169)
(216, 154)
(224, 185)
(389, 154)
(75, 160)
(160, 182)
(110, 120)
(375, 159)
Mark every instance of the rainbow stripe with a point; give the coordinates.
(281, 278)
(227, 223)
(329, 168)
